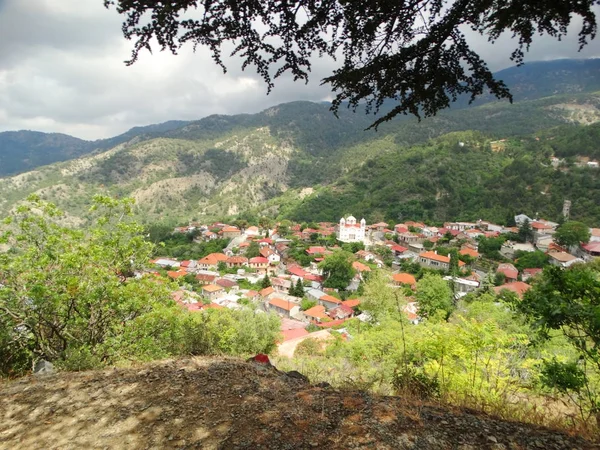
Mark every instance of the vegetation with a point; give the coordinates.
(337, 270)
(572, 233)
(71, 297)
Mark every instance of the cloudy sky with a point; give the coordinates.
(62, 70)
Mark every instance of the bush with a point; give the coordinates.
(308, 347)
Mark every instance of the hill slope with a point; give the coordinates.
(226, 403)
(263, 164)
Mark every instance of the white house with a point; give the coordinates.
(350, 231)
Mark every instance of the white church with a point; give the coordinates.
(349, 231)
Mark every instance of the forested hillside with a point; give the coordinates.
(458, 176)
(297, 160)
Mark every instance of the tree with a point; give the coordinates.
(525, 231)
(381, 300)
(307, 304)
(337, 269)
(415, 52)
(531, 260)
(454, 268)
(253, 250)
(572, 233)
(434, 294)
(266, 281)
(298, 288)
(73, 292)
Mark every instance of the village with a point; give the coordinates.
(280, 268)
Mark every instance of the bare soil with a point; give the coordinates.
(226, 403)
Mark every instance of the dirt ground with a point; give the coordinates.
(226, 403)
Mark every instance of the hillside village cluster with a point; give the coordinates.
(230, 279)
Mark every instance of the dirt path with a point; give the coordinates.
(221, 403)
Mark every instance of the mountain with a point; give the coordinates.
(25, 150)
(21, 151)
(297, 160)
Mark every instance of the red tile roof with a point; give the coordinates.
(404, 278)
(317, 311)
(360, 267)
(266, 291)
(508, 270)
(518, 287)
(258, 260)
(440, 258)
(212, 288)
(352, 303)
(330, 299)
(283, 304)
(293, 334)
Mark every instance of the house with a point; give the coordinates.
(284, 307)
(314, 294)
(266, 293)
(411, 310)
(259, 263)
(273, 257)
(462, 286)
(510, 272)
(329, 301)
(563, 259)
(380, 227)
(408, 238)
(312, 251)
(398, 250)
(432, 260)
(594, 235)
(349, 231)
(351, 303)
(176, 274)
(230, 232)
(592, 249)
(518, 287)
(236, 261)
(252, 231)
(468, 251)
(281, 284)
(293, 334)
(404, 279)
(206, 278)
(315, 314)
(212, 291)
(530, 273)
(189, 265)
(521, 218)
(166, 262)
(226, 283)
(341, 312)
(360, 267)
(211, 262)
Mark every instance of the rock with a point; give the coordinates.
(43, 367)
(323, 384)
(297, 375)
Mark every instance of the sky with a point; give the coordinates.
(62, 70)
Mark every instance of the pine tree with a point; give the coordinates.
(299, 289)
(266, 281)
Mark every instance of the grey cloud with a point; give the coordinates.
(61, 69)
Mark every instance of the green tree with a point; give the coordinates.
(266, 281)
(337, 269)
(307, 304)
(380, 299)
(71, 292)
(433, 295)
(525, 231)
(531, 260)
(454, 259)
(298, 288)
(388, 50)
(572, 233)
(253, 250)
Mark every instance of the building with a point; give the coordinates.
(349, 231)
(260, 263)
(462, 286)
(212, 291)
(434, 261)
(510, 272)
(405, 279)
(329, 301)
(563, 259)
(210, 262)
(237, 261)
(284, 307)
(315, 314)
(231, 232)
(518, 287)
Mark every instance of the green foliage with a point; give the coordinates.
(381, 300)
(337, 269)
(572, 233)
(266, 281)
(253, 250)
(297, 290)
(531, 260)
(307, 304)
(525, 231)
(308, 347)
(490, 247)
(433, 295)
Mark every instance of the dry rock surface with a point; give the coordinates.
(225, 403)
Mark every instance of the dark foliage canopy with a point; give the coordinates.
(412, 51)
